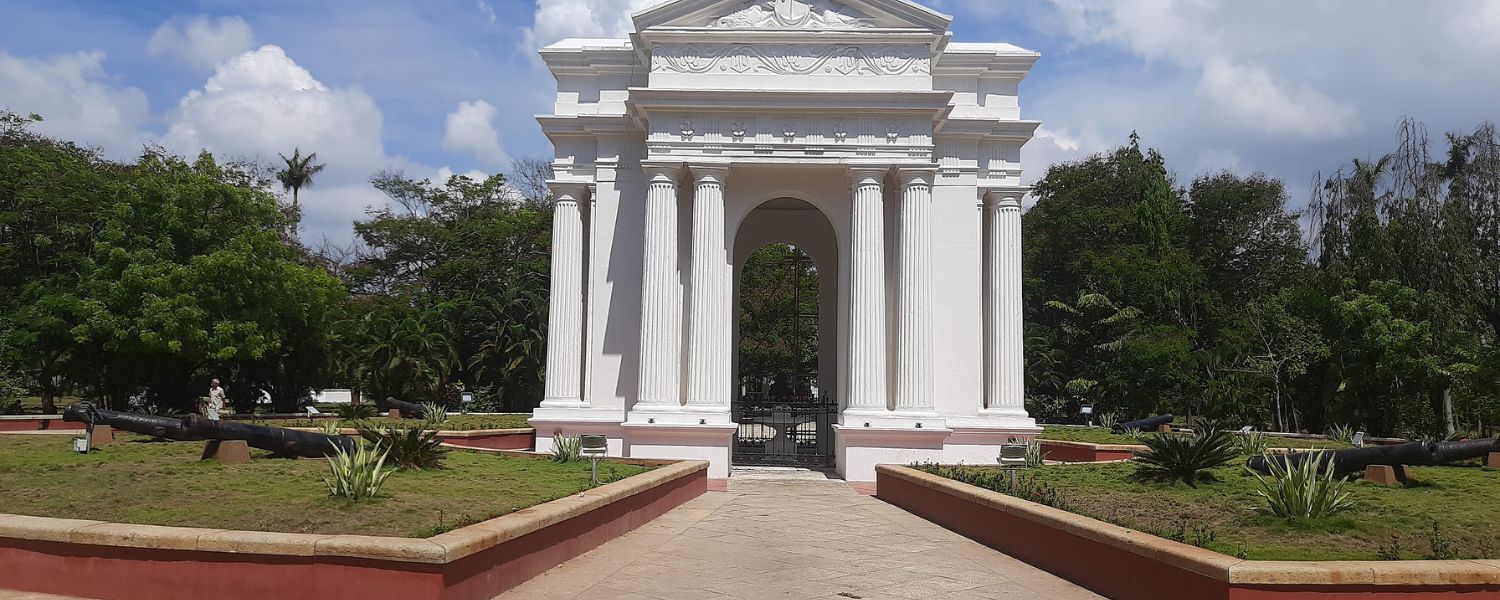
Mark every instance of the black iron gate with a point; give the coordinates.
(790, 431)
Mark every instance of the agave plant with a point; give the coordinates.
(566, 449)
(409, 447)
(1342, 432)
(357, 474)
(1133, 433)
(1304, 489)
(1251, 442)
(1108, 421)
(434, 414)
(1185, 457)
(1034, 453)
(355, 412)
(331, 428)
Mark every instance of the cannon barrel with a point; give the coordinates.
(1354, 460)
(278, 440)
(171, 428)
(1146, 424)
(408, 410)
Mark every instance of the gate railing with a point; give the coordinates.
(785, 431)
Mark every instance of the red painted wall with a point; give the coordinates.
(114, 573)
(35, 424)
(1081, 454)
(499, 441)
(1116, 573)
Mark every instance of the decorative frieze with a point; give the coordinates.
(792, 59)
(794, 14)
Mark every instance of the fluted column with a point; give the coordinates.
(565, 312)
(867, 339)
(913, 294)
(1005, 388)
(710, 332)
(661, 316)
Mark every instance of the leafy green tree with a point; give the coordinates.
(778, 317)
(151, 277)
(478, 253)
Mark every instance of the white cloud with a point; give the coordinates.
(471, 128)
(201, 41)
(262, 103)
(78, 99)
(561, 19)
(1208, 37)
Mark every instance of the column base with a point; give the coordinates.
(683, 442)
(885, 419)
(859, 448)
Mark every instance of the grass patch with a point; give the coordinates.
(454, 422)
(1219, 513)
(1100, 435)
(164, 483)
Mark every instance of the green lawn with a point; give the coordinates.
(455, 422)
(1100, 435)
(1459, 498)
(164, 483)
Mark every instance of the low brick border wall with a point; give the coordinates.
(1125, 564)
(1066, 451)
(489, 439)
(36, 423)
(95, 559)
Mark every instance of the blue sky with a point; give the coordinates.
(1287, 87)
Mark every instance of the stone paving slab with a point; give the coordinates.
(770, 538)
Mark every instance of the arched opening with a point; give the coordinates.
(785, 336)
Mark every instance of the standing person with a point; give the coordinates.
(215, 401)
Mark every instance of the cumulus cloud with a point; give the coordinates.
(262, 103)
(78, 99)
(561, 19)
(1251, 96)
(471, 128)
(202, 41)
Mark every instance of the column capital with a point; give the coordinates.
(862, 175)
(572, 190)
(916, 175)
(661, 171)
(1001, 197)
(709, 172)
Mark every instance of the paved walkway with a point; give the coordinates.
(776, 538)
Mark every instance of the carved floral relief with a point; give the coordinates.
(791, 59)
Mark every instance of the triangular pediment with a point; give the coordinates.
(792, 15)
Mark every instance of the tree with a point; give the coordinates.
(150, 277)
(298, 173)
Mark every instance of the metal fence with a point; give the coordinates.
(793, 431)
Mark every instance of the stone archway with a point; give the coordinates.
(798, 429)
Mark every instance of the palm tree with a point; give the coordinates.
(299, 172)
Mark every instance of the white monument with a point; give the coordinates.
(856, 130)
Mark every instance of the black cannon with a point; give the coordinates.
(277, 440)
(1354, 460)
(1146, 424)
(408, 409)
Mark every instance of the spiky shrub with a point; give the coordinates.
(1034, 452)
(409, 447)
(331, 428)
(1132, 433)
(1341, 432)
(357, 474)
(434, 414)
(1108, 421)
(1023, 486)
(1251, 442)
(1185, 457)
(566, 449)
(1305, 489)
(355, 412)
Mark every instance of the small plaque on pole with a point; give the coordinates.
(595, 446)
